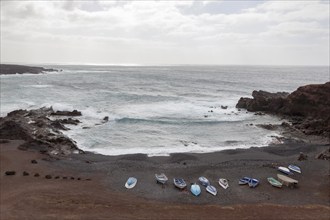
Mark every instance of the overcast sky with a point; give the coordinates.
(166, 32)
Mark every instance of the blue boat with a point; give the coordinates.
(179, 183)
(205, 182)
(244, 180)
(253, 183)
(195, 189)
(294, 168)
(131, 182)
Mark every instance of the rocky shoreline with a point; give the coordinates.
(47, 176)
(41, 130)
(307, 108)
(21, 69)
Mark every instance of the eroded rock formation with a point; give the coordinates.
(39, 130)
(308, 107)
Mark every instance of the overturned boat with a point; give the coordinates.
(131, 182)
(212, 190)
(285, 180)
(294, 168)
(205, 182)
(274, 182)
(161, 178)
(223, 183)
(243, 181)
(253, 183)
(195, 189)
(285, 170)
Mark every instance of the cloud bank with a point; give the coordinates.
(166, 32)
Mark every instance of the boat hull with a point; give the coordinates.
(223, 183)
(205, 182)
(195, 189)
(244, 181)
(179, 183)
(161, 178)
(131, 182)
(274, 182)
(285, 170)
(212, 190)
(253, 183)
(294, 168)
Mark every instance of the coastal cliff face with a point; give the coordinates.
(20, 69)
(308, 107)
(40, 131)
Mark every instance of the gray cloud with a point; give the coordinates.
(273, 32)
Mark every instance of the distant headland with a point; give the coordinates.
(20, 69)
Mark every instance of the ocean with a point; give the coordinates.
(158, 110)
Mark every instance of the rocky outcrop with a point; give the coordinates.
(20, 69)
(39, 131)
(263, 101)
(308, 107)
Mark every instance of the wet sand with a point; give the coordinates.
(100, 193)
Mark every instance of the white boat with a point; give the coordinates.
(131, 182)
(204, 181)
(161, 178)
(179, 183)
(223, 183)
(294, 168)
(285, 170)
(212, 190)
(285, 180)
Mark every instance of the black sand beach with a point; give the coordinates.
(86, 186)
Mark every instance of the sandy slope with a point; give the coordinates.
(104, 197)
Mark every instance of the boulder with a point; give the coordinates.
(10, 173)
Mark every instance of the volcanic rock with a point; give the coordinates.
(39, 131)
(308, 108)
(19, 69)
(10, 173)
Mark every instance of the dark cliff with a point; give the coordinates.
(308, 107)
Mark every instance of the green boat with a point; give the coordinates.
(274, 182)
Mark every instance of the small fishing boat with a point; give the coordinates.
(161, 178)
(179, 183)
(285, 180)
(223, 183)
(244, 180)
(274, 182)
(204, 181)
(285, 170)
(294, 168)
(253, 183)
(212, 190)
(195, 189)
(131, 182)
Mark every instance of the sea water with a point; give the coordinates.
(158, 110)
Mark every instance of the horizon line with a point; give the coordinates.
(141, 65)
